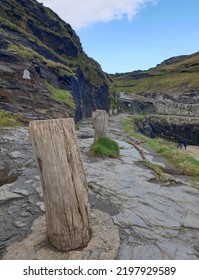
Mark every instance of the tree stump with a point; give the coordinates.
(100, 123)
(63, 181)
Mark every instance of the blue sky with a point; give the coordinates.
(128, 35)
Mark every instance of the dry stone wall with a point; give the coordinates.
(169, 104)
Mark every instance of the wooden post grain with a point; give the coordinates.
(63, 181)
(100, 123)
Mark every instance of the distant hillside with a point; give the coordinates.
(64, 81)
(175, 75)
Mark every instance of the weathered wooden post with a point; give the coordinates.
(100, 123)
(63, 181)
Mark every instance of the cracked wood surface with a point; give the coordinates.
(63, 181)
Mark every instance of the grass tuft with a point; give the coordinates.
(104, 147)
(8, 119)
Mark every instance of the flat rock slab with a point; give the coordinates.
(6, 194)
(103, 245)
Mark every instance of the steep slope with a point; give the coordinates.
(63, 82)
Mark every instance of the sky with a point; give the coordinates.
(128, 35)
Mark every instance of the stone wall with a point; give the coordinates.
(176, 108)
(182, 104)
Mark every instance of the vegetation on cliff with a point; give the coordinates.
(51, 47)
(8, 119)
(60, 95)
(177, 74)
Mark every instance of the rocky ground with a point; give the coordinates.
(156, 220)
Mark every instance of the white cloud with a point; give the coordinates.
(82, 13)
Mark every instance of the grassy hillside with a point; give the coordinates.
(177, 74)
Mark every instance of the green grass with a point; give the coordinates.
(159, 169)
(180, 75)
(130, 129)
(171, 82)
(104, 147)
(60, 95)
(186, 164)
(8, 119)
(29, 54)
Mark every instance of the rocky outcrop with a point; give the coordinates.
(171, 128)
(24, 97)
(172, 117)
(34, 38)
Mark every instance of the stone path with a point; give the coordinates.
(20, 189)
(155, 220)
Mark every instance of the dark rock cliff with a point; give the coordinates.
(63, 82)
(170, 127)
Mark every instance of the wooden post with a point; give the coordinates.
(63, 181)
(100, 123)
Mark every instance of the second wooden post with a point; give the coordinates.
(100, 123)
(63, 181)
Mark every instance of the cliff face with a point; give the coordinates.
(60, 80)
(170, 128)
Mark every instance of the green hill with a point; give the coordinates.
(175, 75)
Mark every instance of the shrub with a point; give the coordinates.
(104, 147)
